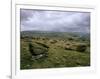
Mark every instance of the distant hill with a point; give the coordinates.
(50, 34)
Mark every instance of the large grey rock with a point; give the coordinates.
(37, 51)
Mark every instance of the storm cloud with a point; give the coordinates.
(59, 21)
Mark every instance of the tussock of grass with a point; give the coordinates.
(61, 53)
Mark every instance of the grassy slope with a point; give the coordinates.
(57, 56)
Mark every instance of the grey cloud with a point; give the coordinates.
(25, 14)
(54, 20)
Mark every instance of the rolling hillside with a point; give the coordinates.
(59, 49)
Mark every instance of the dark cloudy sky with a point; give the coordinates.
(59, 21)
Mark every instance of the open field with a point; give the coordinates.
(54, 49)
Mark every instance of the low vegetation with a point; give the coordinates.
(54, 50)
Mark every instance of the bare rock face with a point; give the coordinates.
(37, 51)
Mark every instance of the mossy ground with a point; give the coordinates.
(57, 57)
